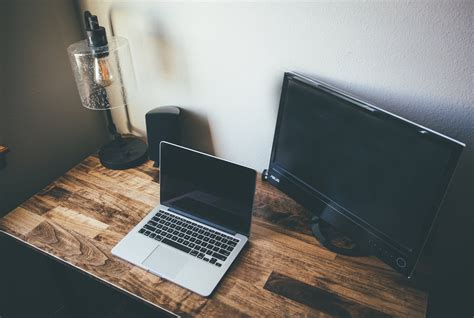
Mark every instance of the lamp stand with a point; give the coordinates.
(123, 152)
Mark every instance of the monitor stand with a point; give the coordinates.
(334, 241)
(329, 237)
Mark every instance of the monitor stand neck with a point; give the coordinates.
(329, 237)
(335, 241)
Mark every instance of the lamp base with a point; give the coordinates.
(123, 153)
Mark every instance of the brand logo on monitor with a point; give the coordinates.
(274, 178)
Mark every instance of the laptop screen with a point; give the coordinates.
(208, 189)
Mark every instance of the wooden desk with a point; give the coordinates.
(282, 272)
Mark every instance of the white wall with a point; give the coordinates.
(224, 61)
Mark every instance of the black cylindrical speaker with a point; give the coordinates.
(162, 124)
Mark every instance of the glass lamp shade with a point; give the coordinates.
(102, 74)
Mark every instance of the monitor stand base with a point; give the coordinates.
(335, 241)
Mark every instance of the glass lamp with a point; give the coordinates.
(103, 69)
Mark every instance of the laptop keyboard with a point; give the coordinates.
(196, 240)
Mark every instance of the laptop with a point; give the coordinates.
(202, 222)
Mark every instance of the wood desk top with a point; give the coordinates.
(283, 271)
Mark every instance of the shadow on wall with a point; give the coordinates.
(161, 71)
(196, 132)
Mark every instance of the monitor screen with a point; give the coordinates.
(211, 190)
(384, 171)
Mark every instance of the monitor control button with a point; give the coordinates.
(401, 262)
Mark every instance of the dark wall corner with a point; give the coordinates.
(42, 120)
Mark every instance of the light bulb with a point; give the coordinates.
(102, 72)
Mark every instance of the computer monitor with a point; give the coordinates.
(375, 176)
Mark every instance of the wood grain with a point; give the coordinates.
(21, 221)
(283, 271)
(81, 223)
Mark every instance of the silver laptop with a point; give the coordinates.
(202, 222)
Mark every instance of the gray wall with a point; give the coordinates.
(225, 60)
(41, 117)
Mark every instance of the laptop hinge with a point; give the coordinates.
(191, 216)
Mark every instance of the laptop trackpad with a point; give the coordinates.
(166, 262)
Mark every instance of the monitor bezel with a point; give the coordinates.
(304, 193)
